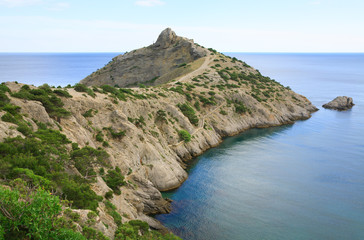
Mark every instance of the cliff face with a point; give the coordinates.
(221, 97)
(148, 65)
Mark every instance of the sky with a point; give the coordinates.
(227, 26)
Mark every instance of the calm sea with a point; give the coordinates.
(302, 181)
(57, 69)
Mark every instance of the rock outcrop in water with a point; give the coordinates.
(342, 103)
(164, 126)
(158, 63)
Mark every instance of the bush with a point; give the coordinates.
(197, 105)
(99, 137)
(83, 88)
(184, 135)
(109, 195)
(7, 117)
(87, 158)
(111, 210)
(52, 104)
(80, 87)
(24, 129)
(114, 134)
(3, 99)
(188, 111)
(33, 216)
(222, 112)
(114, 180)
(4, 88)
(62, 93)
(80, 194)
(88, 113)
(240, 108)
(161, 116)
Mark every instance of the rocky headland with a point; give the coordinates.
(197, 97)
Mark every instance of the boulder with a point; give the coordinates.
(340, 103)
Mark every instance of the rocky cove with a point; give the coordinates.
(200, 91)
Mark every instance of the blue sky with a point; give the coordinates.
(229, 25)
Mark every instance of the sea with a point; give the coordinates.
(299, 181)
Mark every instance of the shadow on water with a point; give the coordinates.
(249, 135)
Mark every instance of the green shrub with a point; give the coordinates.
(240, 108)
(32, 216)
(62, 93)
(114, 134)
(88, 113)
(80, 194)
(207, 101)
(3, 99)
(80, 87)
(52, 104)
(7, 117)
(4, 88)
(222, 112)
(184, 135)
(114, 180)
(87, 158)
(83, 88)
(91, 215)
(93, 234)
(109, 195)
(24, 129)
(99, 137)
(162, 94)
(188, 111)
(111, 210)
(197, 105)
(161, 116)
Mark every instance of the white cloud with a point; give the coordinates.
(19, 3)
(149, 3)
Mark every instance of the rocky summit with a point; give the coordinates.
(341, 103)
(126, 145)
(155, 64)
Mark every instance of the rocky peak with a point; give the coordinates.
(152, 65)
(167, 38)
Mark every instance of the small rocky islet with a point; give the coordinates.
(127, 131)
(341, 103)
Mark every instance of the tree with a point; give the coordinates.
(31, 215)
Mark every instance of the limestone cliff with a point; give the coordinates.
(149, 65)
(223, 96)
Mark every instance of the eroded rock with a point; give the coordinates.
(341, 103)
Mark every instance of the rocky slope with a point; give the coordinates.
(222, 97)
(149, 65)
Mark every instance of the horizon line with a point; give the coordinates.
(273, 52)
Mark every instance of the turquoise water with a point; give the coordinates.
(303, 181)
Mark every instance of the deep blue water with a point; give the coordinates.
(302, 181)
